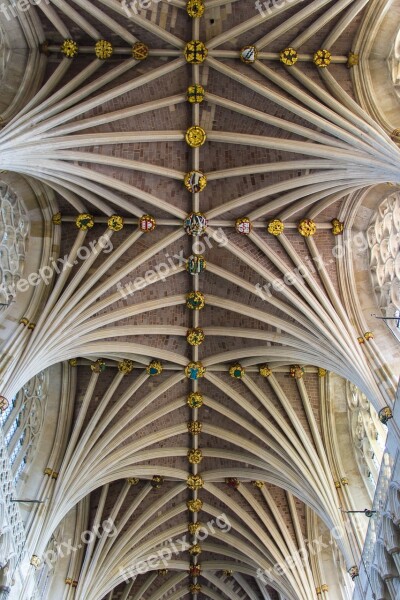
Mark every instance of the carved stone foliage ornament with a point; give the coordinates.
(195, 94)
(288, 57)
(195, 482)
(195, 300)
(195, 8)
(195, 136)
(84, 221)
(195, 52)
(125, 366)
(195, 456)
(275, 227)
(103, 49)
(194, 427)
(115, 223)
(307, 227)
(322, 58)
(195, 336)
(69, 48)
(265, 371)
(195, 550)
(195, 400)
(194, 527)
(337, 227)
(194, 505)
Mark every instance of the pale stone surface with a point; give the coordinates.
(276, 426)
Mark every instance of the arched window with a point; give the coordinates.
(11, 432)
(44, 576)
(368, 435)
(22, 423)
(14, 226)
(384, 242)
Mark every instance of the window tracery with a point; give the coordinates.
(11, 521)
(14, 226)
(44, 575)
(20, 427)
(22, 423)
(368, 436)
(384, 242)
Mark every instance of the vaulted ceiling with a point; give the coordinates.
(287, 149)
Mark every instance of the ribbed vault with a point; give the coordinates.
(285, 144)
(135, 431)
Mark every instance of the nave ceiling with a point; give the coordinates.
(288, 148)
